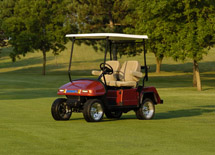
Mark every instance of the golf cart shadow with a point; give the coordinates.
(105, 119)
(200, 110)
(183, 113)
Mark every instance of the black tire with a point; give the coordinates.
(113, 114)
(60, 109)
(93, 110)
(146, 110)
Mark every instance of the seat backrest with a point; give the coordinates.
(125, 73)
(116, 66)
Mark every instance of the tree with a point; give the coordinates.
(195, 33)
(99, 16)
(2, 39)
(178, 28)
(38, 25)
(5, 11)
(147, 18)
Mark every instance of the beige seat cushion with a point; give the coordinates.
(96, 73)
(122, 83)
(116, 66)
(129, 75)
(113, 77)
(126, 72)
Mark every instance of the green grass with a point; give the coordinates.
(184, 124)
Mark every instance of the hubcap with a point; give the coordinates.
(96, 111)
(148, 109)
(64, 110)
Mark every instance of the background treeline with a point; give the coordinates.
(181, 29)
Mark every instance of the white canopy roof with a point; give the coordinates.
(110, 36)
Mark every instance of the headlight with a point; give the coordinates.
(61, 90)
(86, 91)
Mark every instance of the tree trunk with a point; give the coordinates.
(158, 65)
(197, 75)
(194, 76)
(111, 23)
(44, 63)
(114, 53)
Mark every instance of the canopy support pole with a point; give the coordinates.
(145, 65)
(70, 61)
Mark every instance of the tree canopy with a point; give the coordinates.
(194, 33)
(180, 29)
(5, 11)
(148, 18)
(99, 16)
(38, 25)
(2, 39)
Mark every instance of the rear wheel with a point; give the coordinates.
(60, 109)
(146, 110)
(93, 110)
(113, 114)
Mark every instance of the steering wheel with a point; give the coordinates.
(106, 68)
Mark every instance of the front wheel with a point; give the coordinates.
(93, 110)
(60, 109)
(146, 110)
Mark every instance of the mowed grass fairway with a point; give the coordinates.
(184, 124)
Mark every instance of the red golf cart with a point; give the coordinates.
(117, 89)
